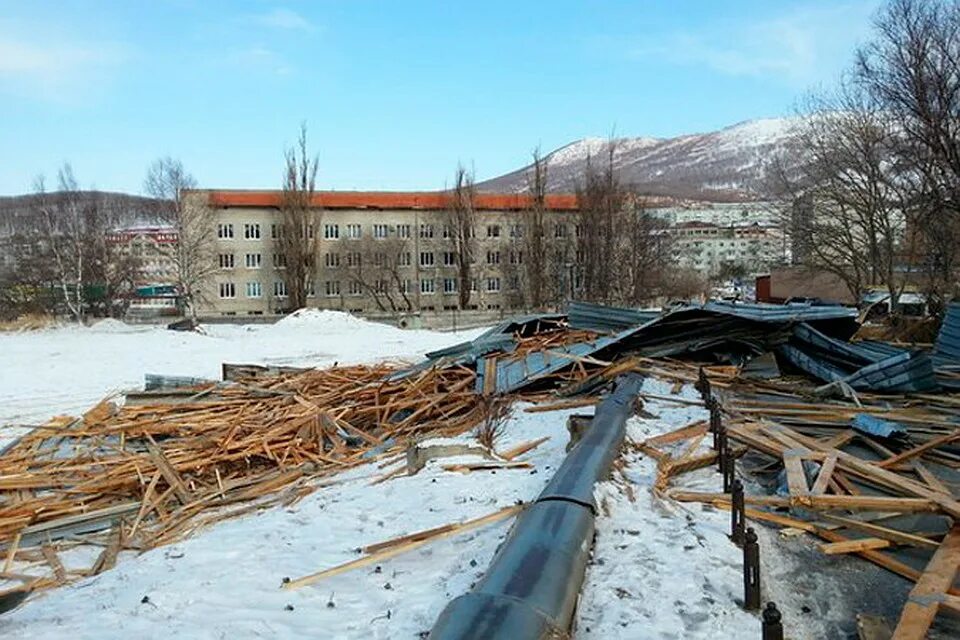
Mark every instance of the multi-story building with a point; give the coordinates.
(374, 251)
(706, 247)
(153, 248)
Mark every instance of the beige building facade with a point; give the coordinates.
(376, 252)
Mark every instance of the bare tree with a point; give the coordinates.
(64, 222)
(912, 69)
(460, 216)
(193, 254)
(601, 202)
(533, 230)
(300, 221)
(379, 268)
(852, 219)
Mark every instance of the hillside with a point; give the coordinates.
(725, 165)
(18, 213)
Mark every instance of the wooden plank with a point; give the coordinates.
(522, 448)
(389, 552)
(894, 535)
(854, 546)
(169, 474)
(826, 472)
(796, 477)
(911, 453)
(50, 555)
(678, 435)
(936, 580)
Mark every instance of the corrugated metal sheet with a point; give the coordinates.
(759, 312)
(516, 374)
(905, 372)
(873, 426)
(948, 340)
(601, 318)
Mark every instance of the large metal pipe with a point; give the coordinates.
(531, 587)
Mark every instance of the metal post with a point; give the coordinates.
(751, 571)
(722, 446)
(737, 514)
(772, 625)
(728, 466)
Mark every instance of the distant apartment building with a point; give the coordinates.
(722, 214)
(152, 246)
(706, 247)
(375, 251)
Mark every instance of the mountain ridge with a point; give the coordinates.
(727, 165)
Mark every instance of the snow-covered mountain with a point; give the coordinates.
(725, 165)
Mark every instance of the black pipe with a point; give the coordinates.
(530, 589)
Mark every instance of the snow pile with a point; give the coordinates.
(323, 320)
(112, 325)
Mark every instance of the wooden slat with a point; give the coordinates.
(937, 579)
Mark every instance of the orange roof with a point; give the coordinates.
(389, 200)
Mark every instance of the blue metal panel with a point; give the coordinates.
(870, 425)
(601, 318)
(948, 340)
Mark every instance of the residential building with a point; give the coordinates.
(153, 246)
(375, 251)
(706, 247)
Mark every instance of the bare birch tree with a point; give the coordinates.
(300, 221)
(193, 254)
(379, 268)
(63, 221)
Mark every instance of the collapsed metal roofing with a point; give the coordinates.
(811, 338)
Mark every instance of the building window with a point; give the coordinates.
(228, 290)
(276, 231)
(493, 231)
(513, 283)
(311, 288)
(578, 230)
(353, 259)
(379, 259)
(516, 257)
(428, 286)
(254, 290)
(381, 231)
(404, 259)
(226, 261)
(253, 260)
(516, 231)
(331, 260)
(426, 259)
(225, 231)
(449, 258)
(493, 285)
(449, 285)
(405, 286)
(331, 231)
(279, 261)
(475, 284)
(381, 286)
(354, 288)
(354, 231)
(332, 287)
(403, 231)
(251, 231)
(426, 231)
(280, 289)
(560, 230)
(493, 257)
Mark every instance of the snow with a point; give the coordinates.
(68, 369)
(660, 569)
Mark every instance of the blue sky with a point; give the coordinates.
(394, 93)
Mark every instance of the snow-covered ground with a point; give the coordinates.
(660, 569)
(68, 369)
